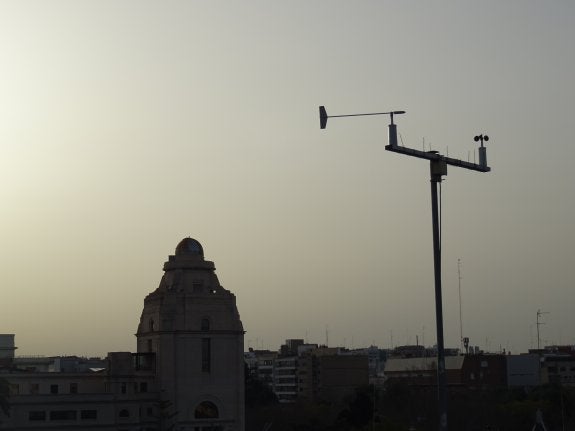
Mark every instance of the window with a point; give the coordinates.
(34, 388)
(63, 415)
(206, 355)
(124, 413)
(206, 410)
(53, 389)
(123, 388)
(89, 414)
(14, 389)
(37, 415)
(73, 388)
(150, 346)
(143, 386)
(150, 411)
(205, 326)
(152, 325)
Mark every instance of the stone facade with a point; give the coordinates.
(188, 373)
(192, 325)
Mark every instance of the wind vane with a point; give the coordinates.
(438, 168)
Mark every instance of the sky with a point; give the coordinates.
(126, 126)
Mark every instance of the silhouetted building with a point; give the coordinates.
(423, 371)
(318, 373)
(484, 371)
(559, 369)
(7, 346)
(261, 365)
(188, 372)
(331, 377)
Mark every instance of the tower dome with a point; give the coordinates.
(189, 247)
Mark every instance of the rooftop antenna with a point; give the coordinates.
(438, 168)
(539, 314)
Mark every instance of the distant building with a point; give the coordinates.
(484, 371)
(331, 377)
(419, 351)
(59, 364)
(471, 371)
(409, 351)
(523, 370)
(376, 359)
(290, 348)
(7, 348)
(188, 372)
(557, 368)
(306, 371)
(422, 371)
(557, 364)
(285, 378)
(261, 365)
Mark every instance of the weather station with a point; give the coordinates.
(438, 168)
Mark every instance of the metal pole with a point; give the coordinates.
(539, 314)
(460, 317)
(438, 168)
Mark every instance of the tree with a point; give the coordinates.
(165, 415)
(257, 393)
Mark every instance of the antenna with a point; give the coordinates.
(539, 314)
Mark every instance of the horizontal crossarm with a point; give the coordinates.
(432, 155)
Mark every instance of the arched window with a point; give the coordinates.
(206, 410)
(124, 413)
(205, 325)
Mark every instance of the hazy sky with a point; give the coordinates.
(128, 125)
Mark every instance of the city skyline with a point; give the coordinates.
(125, 127)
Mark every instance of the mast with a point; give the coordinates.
(460, 314)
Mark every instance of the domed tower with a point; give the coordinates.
(192, 324)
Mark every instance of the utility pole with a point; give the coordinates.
(438, 168)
